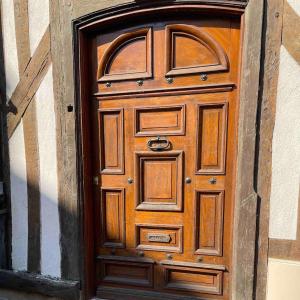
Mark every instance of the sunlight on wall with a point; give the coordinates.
(286, 151)
(19, 203)
(50, 230)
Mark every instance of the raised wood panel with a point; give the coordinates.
(126, 272)
(111, 141)
(193, 279)
(211, 138)
(209, 222)
(158, 179)
(128, 57)
(166, 120)
(189, 50)
(113, 217)
(159, 237)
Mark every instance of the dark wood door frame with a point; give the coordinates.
(246, 197)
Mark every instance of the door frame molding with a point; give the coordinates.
(245, 221)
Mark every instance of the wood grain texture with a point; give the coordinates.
(32, 283)
(29, 82)
(63, 85)
(272, 37)
(30, 141)
(246, 198)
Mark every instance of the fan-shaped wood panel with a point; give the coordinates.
(191, 50)
(128, 57)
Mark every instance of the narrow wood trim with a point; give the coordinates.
(193, 265)
(30, 140)
(29, 83)
(32, 283)
(272, 36)
(187, 90)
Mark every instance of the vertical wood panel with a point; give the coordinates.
(208, 222)
(211, 138)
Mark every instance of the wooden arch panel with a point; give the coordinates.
(129, 56)
(190, 50)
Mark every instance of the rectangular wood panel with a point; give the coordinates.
(211, 138)
(126, 272)
(158, 180)
(111, 141)
(193, 279)
(159, 237)
(209, 222)
(166, 120)
(113, 217)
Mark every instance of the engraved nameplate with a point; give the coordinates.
(158, 237)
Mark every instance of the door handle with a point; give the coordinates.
(158, 144)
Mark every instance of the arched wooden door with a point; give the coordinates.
(163, 115)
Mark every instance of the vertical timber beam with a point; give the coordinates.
(272, 37)
(246, 198)
(30, 141)
(62, 56)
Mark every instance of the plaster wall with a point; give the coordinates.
(9, 45)
(286, 151)
(19, 204)
(283, 280)
(38, 13)
(50, 247)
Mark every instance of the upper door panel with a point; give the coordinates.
(195, 54)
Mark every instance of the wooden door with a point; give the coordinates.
(163, 114)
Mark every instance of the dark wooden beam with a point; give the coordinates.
(32, 283)
(29, 83)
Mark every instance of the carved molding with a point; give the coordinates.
(114, 50)
(217, 62)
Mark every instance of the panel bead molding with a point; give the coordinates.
(182, 40)
(118, 63)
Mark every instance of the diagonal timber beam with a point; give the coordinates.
(29, 83)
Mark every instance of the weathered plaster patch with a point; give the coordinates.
(10, 47)
(283, 280)
(295, 4)
(19, 203)
(50, 232)
(38, 13)
(286, 151)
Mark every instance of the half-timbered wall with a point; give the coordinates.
(39, 91)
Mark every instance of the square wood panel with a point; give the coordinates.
(160, 120)
(158, 181)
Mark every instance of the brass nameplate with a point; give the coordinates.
(159, 237)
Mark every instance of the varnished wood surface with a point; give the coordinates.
(178, 202)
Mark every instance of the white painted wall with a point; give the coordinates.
(286, 151)
(38, 12)
(50, 230)
(19, 203)
(9, 45)
(283, 280)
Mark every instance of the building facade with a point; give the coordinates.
(250, 80)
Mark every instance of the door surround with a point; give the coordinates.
(246, 197)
